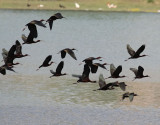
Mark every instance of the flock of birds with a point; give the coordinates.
(16, 52)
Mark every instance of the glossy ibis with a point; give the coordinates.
(53, 18)
(110, 86)
(138, 72)
(58, 70)
(29, 39)
(130, 95)
(69, 51)
(136, 54)
(94, 67)
(115, 71)
(46, 62)
(85, 75)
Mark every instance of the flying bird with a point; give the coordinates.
(129, 95)
(29, 39)
(53, 18)
(85, 75)
(69, 51)
(94, 67)
(46, 62)
(58, 70)
(138, 72)
(136, 54)
(115, 71)
(89, 61)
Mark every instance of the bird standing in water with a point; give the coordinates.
(46, 62)
(136, 54)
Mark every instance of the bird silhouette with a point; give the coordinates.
(89, 61)
(19, 50)
(130, 95)
(136, 54)
(29, 39)
(58, 70)
(110, 86)
(138, 72)
(115, 71)
(46, 62)
(53, 18)
(69, 51)
(85, 75)
(94, 67)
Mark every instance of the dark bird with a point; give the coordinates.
(58, 70)
(89, 61)
(136, 54)
(3, 70)
(29, 39)
(138, 72)
(11, 57)
(46, 62)
(69, 51)
(53, 18)
(19, 50)
(110, 86)
(85, 75)
(94, 67)
(38, 22)
(115, 71)
(130, 95)
(61, 6)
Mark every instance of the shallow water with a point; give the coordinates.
(92, 34)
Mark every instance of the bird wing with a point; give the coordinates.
(12, 51)
(130, 50)
(18, 48)
(140, 50)
(117, 71)
(2, 70)
(33, 30)
(112, 69)
(140, 71)
(39, 23)
(86, 71)
(52, 72)
(58, 15)
(59, 67)
(131, 96)
(50, 24)
(46, 61)
(71, 53)
(134, 70)
(63, 54)
(122, 86)
(29, 38)
(24, 38)
(101, 82)
(94, 68)
(4, 54)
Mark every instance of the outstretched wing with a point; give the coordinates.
(140, 50)
(59, 67)
(24, 38)
(86, 72)
(101, 82)
(131, 96)
(130, 50)
(63, 54)
(117, 71)
(71, 53)
(18, 48)
(122, 85)
(112, 69)
(47, 60)
(94, 68)
(52, 72)
(33, 30)
(140, 71)
(134, 70)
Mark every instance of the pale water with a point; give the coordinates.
(30, 97)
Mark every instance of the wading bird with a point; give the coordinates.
(85, 75)
(136, 54)
(46, 62)
(69, 51)
(53, 18)
(115, 71)
(58, 70)
(130, 95)
(138, 72)
(110, 86)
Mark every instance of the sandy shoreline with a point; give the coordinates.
(76, 115)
